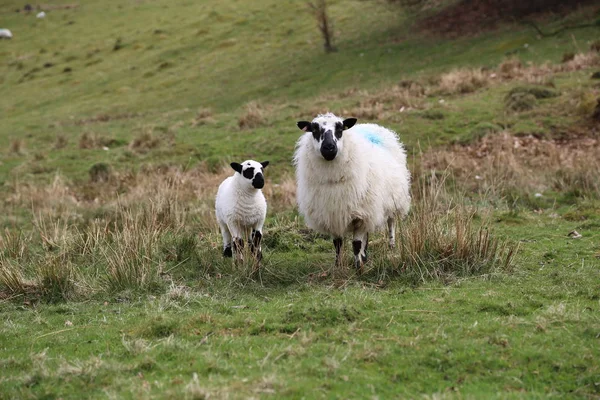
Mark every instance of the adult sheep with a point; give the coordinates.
(241, 207)
(351, 179)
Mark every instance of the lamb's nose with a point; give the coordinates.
(258, 182)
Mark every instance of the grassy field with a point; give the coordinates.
(119, 120)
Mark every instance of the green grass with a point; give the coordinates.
(533, 334)
(156, 91)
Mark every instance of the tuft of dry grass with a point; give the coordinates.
(253, 116)
(580, 61)
(13, 244)
(145, 141)
(92, 140)
(281, 196)
(61, 142)
(463, 80)
(508, 168)
(203, 116)
(11, 277)
(17, 146)
(520, 101)
(56, 277)
(510, 68)
(441, 240)
(388, 102)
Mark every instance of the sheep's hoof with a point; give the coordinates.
(227, 252)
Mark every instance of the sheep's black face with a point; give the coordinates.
(252, 171)
(327, 131)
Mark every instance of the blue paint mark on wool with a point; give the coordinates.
(368, 134)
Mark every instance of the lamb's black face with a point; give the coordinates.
(252, 171)
(327, 132)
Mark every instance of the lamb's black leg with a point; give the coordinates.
(337, 243)
(238, 247)
(227, 251)
(255, 244)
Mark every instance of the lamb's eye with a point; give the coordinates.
(248, 173)
(317, 132)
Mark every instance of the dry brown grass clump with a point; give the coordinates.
(388, 102)
(203, 116)
(508, 167)
(55, 198)
(61, 142)
(440, 239)
(580, 61)
(92, 140)
(17, 146)
(510, 68)
(281, 196)
(463, 80)
(145, 141)
(253, 116)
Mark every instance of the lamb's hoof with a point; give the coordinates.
(228, 253)
(392, 245)
(359, 263)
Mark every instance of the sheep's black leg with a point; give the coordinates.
(391, 232)
(337, 243)
(360, 243)
(359, 247)
(360, 254)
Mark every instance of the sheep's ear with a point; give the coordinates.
(349, 123)
(304, 125)
(236, 167)
(264, 164)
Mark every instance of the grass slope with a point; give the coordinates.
(157, 91)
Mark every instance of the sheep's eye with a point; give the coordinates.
(338, 131)
(317, 131)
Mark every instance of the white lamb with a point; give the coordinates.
(241, 207)
(351, 179)
(5, 34)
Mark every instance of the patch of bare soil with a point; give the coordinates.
(468, 17)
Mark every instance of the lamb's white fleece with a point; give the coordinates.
(240, 206)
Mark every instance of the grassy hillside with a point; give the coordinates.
(176, 59)
(119, 120)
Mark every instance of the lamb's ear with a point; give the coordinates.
(264, 164)
(349, 123)
(236, 167)
(304, 125)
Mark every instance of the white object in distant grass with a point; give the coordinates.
(241, 208)
(5, 34)
(351, 179)
(41, 14)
